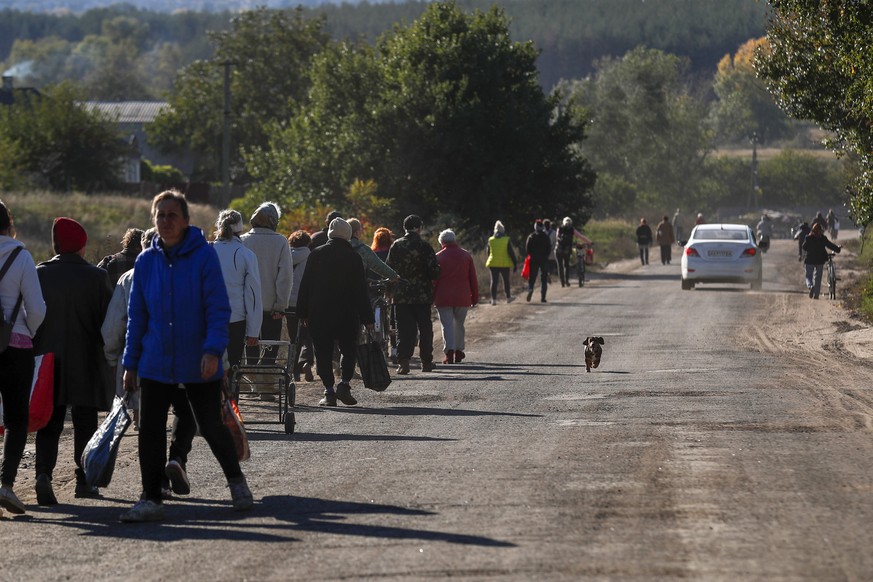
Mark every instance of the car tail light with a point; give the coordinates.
(750, 252)
(691, 252)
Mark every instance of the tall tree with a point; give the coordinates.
(744, 106)
(269, 53)
(819, 68)
(648, 138)
(54, 142)
(445, 115)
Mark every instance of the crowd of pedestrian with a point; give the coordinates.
(163, 321)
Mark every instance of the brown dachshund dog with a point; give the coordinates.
(593, 351)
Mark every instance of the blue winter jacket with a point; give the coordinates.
(178, 311)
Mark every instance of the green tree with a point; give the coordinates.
(648, 139)
(54, 142)
(270, 54)
(444, 115)
(819, 68)
(744, 106)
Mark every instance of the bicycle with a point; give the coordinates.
(384, 330)
(832, 277)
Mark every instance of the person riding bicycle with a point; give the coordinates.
(764, 231)
(816, 245)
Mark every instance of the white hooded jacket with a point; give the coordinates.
(21, 279)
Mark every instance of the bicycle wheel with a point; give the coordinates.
(832, 280)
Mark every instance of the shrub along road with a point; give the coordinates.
(727, 434)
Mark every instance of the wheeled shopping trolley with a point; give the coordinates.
(271, 375)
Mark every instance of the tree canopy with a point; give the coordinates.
(269, 55)
(444, 115)
(50, 140)
(648, 138)
(819, 68)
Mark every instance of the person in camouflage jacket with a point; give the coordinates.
(416, 263)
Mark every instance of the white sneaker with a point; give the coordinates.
(493, 302)
(240, 493)
(10, 502)
(143, 510)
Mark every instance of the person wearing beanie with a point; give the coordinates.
(501, 256)
(332, 303)
(178, 338)
(415, 261)
(320, 237)
(122, 261)
(563, 250)
(276, 273)
(537, 248)
(77, 296)
(23, 306)
(456, 290)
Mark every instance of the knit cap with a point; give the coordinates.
(266, 215)
(339, 228)
(68, 236)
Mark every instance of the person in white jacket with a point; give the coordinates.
(276, 272)
(239, 266)
(19, 283)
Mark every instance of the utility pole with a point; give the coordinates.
(225, 138)
(754, 192)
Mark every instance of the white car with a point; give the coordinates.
(721, 253)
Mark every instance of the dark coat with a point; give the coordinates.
(415, 261)
(644, 234)
(816, 249)
(119, 263)
(319, 238)
(333, 292)
(77, 295)
(538, 246)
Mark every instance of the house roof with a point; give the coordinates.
(128, 111)
(7, 96)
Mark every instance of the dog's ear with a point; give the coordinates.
(598, 340)
(587, 341)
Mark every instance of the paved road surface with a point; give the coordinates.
(715, 442)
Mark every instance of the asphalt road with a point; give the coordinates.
(709, 445)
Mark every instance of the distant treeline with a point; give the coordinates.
(571, 34)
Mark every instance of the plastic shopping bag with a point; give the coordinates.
(525, 270)
(232, 420)
(42, 394)
(98, 459)
(373, 365)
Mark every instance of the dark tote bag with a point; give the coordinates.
(374, 367)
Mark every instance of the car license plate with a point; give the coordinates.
(719, 253)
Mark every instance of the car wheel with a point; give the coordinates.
(687, 285)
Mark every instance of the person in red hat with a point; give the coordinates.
(77, 295)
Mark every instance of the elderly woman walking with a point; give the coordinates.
(177, 332)
(239, 267)
(456, 290)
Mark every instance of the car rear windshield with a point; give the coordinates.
(720, 234)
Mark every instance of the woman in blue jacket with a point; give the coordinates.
(177, 331)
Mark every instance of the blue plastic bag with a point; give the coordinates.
(98, 458)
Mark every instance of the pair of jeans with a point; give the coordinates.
(17, 366)
(48, 438)
(204, 399)
(813, 278)
(452, 323)
(323, 345)
(496, 274)
(414, 322)
(644, 254)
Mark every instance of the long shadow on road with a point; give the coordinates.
(275, 518)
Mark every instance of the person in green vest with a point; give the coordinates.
(501, 257)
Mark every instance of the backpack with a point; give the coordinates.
(6, 326)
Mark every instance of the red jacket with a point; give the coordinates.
(458, 285)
